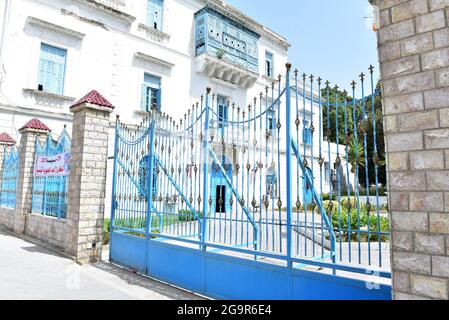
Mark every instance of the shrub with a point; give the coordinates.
(188, 216)
(106, 231)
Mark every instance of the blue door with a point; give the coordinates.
(220, 191)
(307, 188)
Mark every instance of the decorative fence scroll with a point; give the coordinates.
(50, 176)
(9, 178)
(277, 180)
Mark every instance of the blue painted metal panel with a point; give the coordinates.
(231, 278)
(176, 264)
(128, 250)
(226, 277)
(315, 286)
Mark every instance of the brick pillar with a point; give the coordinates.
(87, 180)
(27, 148)
(413, 44)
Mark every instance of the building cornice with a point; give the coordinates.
(54, 27)
(120, 14)
(34, 112)
(151, 59)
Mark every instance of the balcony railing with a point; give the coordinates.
(225, 40)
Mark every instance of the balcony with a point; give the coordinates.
(225, 49)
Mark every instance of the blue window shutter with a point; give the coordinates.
(144, 98)
(52, 68)
(152, 81)
(159, 99)
(269, 64)
(154, 13)
(153, 91)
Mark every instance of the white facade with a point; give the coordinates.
(110, 47)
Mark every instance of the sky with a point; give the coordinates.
(329, 38)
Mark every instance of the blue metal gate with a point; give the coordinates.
(220, 203)
(9, 177)
(50, 191)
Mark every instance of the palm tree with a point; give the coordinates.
(356, 156)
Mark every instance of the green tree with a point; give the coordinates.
(356, 156)
(365, 122)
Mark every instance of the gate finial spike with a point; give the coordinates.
(304, 76)
(353, 84)
(371, 69)
(288, 66)
(296, 72)
(208, 90)
(311, 77)
(319, 80)
(362, 76)
(327, 83)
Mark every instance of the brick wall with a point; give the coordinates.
(414, 56)
(47, 229)
(7, 218)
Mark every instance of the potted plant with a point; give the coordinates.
(220, 53)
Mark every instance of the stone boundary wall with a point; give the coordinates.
(47, 229)
(7, 218)
(80, 234)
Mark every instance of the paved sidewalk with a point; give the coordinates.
(28, 271)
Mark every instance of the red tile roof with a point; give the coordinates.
(94, 97)
(35, 124)
(6, 138)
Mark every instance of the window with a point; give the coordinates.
(151, 93)
(271, 120)
(327, 171)
(268, 64)
(272, 187)
(222, 112)
(307, 133)
(51, 69)
(154, 14)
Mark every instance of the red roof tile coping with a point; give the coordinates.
(35, 124)
(94, 97)
(6, 138)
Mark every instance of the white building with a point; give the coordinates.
(135, 53)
